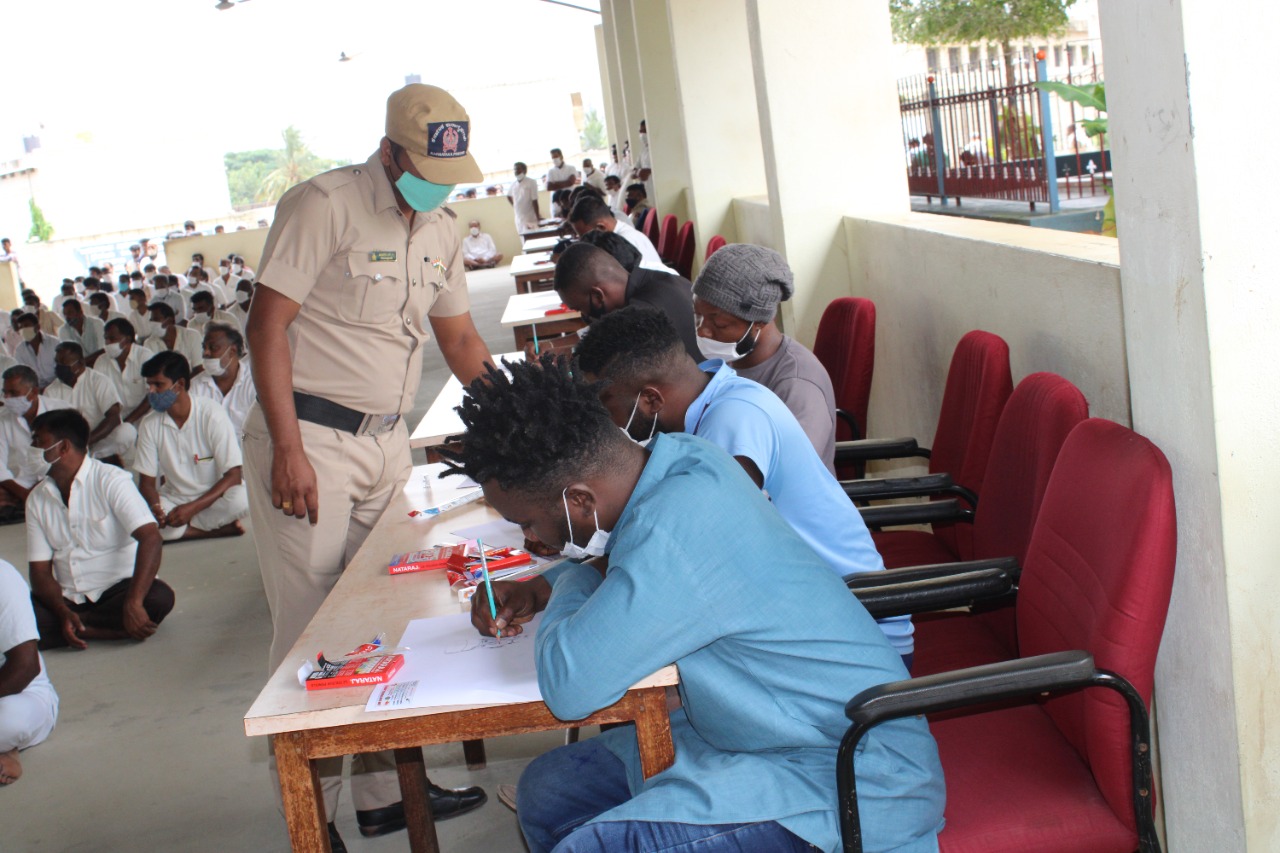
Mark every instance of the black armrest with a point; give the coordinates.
(884, 488)
(871, 580)
(878, 448)
(851, 422)
(926, 594)
(931, 512)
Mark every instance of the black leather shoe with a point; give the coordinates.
(335, 840)
(445, 803)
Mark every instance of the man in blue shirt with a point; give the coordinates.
(703, 573)
(653, 387)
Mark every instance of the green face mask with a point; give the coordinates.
(422, 195)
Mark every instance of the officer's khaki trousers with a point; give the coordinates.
(356, 479)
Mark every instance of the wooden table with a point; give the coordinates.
(546, 228)
(310, 725)
(541, 244)
(532, 272)
(441, 422)
(526, 315)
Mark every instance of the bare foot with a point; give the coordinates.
(10, 767)
(235, 528)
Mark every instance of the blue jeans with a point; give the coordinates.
(563, 789)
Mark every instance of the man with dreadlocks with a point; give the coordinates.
(703, 572)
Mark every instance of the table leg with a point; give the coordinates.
(300, 790)
(653, 731)
(473, 752)
(417, 804)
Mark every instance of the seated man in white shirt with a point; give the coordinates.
(23, 402)
(169, 292)
(81, 329)
(244, 297)
(478, 249)
(37, 348)
(203, 313)
(138, 315)
(226, 379)
(92, 546)
(28, 703)
(100, 308)
(121, 362)
(592, 213)
(167, 335)
(95, 397)
(188, 444)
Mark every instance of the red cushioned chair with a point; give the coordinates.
(650, 226)
(1037, 419)
(1059, 765)
(978, 384)
(716, 242)
(846, 346)
(685, 247)
(666, 244)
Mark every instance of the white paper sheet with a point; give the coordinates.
(449, 663)
(426, 491)
(495, 534)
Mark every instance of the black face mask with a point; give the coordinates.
(65, 373)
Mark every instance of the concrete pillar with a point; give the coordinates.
(716, 97)
(610, 65)
(606, 88)
(669, 183)
(1200, 313)
(831, 135)
(629, 69)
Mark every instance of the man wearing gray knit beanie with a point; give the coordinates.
(735, 306)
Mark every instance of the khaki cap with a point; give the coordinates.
(434, 128)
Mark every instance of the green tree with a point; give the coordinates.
(246, 170)
(934, 22)
(592, 138)
(40, 227)
(293, 165)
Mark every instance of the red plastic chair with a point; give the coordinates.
(1072, 772)
(846, 346)
(716, 242)
(978, 385)
(667, 237)
(650, 226)
(685, 246)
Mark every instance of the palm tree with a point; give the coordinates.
(294, 165)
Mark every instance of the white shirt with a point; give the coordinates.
(189, 343)
(15, 438)
(242, 314)
(649, 257)
(90, 340)
(129, 384)
(223, 317)
(478, 248)
(91, 541)
(175, 300)
(235, 402)
(92, 396)
(191, 458)
(616, 202)
(142, 326)
(561, 173)
(18, 624)
(595, 178)
(41, 362)
(524, 197)
(6, 361)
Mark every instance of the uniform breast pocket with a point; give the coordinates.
(374, 291)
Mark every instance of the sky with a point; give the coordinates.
(181, 72)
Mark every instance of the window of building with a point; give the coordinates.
(975, 55)
(953, 57)
(1057, 55)
(1071, 54)
(1084, 54)
(931, 58)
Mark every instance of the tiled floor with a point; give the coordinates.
(149, 753)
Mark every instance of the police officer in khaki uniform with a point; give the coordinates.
(361, 267)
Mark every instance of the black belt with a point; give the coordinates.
(326, 413)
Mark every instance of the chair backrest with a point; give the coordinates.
(978, 384)
(685, 246)
(667, 237)
(846, 346)
(716, 242)
(650, 226)
(1097, 577)
(1037, 419)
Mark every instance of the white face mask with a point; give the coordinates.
(626, 430)
(200, 316)
(214, 367)
(17, 406)
(113, 350)
(558, 161)
(236, 268)
(36, 461)
(242, 297)
(594, 548)
(475, 232)
(728, 352)
(589, 170)
(223, 269)
(28, 334)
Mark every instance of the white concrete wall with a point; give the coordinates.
(753, 222)
(1053, 296)
(669, 182)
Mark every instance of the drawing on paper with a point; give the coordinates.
(470, 644)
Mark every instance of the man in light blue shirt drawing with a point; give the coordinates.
(701, 572)
(653, 387)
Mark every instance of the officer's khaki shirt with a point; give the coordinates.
(341, 248)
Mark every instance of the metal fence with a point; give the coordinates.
(979, 131)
